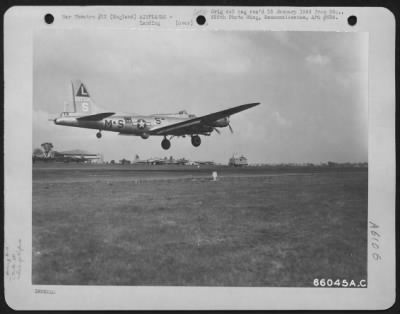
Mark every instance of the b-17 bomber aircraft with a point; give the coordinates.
(180, 124)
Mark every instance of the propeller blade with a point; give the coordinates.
(230, 128)
(218, 131)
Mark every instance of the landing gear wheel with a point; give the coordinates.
(166, 144)
(98, 134)
(196, 141)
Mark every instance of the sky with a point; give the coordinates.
(312, 87)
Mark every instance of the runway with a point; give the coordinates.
(138, 173)
(127, 225)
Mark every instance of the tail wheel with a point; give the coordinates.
(166, 144)
(98, 134)
(196, 141)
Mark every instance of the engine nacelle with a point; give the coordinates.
(220, 123)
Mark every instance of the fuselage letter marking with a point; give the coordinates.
(108, 124)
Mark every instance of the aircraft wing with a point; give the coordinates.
(207, 119)
(96, 117)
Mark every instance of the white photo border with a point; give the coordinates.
(20, 24)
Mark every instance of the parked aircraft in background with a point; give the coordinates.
(173, 125)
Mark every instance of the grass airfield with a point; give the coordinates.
(171, 225)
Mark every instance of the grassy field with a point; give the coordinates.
(175, 229)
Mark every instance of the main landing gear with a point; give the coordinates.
(166, 143)
(196, 140)
(98, 134)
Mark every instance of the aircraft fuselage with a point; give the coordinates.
(164, 124)
(128, 124)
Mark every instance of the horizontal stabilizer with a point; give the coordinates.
(96, 117)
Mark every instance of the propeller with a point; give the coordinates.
(225, 122)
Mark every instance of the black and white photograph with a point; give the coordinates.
(199, 158)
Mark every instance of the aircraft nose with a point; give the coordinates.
(53, 119)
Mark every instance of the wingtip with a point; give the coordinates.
(253, 104)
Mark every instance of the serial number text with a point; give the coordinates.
(336, 283)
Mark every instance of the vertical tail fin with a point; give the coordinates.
(82, 102)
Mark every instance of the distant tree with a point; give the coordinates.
(137, 157)
(112, 162)
(37, 152)
(171, 158)
(124, 161)
(47, 147)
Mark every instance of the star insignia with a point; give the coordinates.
(141, 124)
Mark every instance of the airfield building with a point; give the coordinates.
(76, 155)
(238, 161)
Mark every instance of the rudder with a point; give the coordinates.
(82, 101)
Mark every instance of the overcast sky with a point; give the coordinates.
(312, 87)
